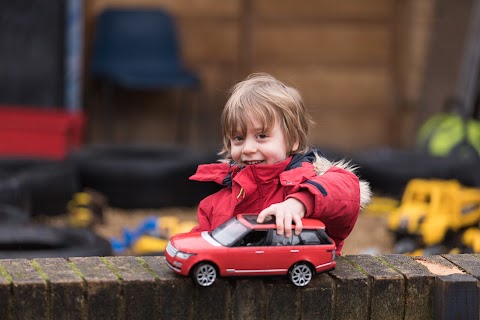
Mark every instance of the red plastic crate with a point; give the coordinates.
(27, 131)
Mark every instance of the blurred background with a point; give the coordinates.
(86, 80)
(370, 71)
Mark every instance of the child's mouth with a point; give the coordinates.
(249, 163)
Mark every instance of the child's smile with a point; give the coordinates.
(249, 163)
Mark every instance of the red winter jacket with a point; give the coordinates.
(330, 192)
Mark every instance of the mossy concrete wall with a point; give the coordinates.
(124, 287)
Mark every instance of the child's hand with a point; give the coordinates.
(285, 212)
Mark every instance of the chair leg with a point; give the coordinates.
(107, 111)
(206, 123)
(194, 117)
(184, 115)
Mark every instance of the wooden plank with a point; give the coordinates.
(28, 290)
(351, 289)
(456, 297)
(298, 43)
(456, 292)
(387, 287)
(212, 41)
(444, 55)
(341, 88)
(350, 9)
(419, 286)
(349, 132)
(467, 89)
(67, 291)
(412, 30)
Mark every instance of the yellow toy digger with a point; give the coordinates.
(430, 211)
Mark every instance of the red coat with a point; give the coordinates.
(333, 196)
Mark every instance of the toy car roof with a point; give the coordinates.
(250, 219)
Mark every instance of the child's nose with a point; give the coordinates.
(249, 146)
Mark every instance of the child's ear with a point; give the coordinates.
(295, 146)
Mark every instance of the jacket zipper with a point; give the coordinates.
(241, 193)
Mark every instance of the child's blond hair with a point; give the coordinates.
(262, 96)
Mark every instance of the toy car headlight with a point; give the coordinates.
(171, 250)
(184, 255)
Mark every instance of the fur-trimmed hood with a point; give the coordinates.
(322, 164)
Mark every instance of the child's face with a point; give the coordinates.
(257, 146)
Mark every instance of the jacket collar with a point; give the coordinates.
(298, 159)
(260, 173)
(222, 173)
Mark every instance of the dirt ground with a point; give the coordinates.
(370, 235)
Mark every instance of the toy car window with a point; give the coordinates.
(324, 239)
(281, 240)
(310, 237)
(254, 238)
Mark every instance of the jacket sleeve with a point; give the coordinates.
(203, 216)
(335, 196)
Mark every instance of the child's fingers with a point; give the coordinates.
(270, 211)
(262, 215)
(288, 225)
(298, 224)
(279, 220)
(273, 211)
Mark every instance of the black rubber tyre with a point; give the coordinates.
(143, 176)
(204, 274)
(31, 241)
(42, 186)
(13, 215)
(12, 193)
(468, 172)
(389, 170)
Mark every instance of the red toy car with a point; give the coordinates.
(243, 247)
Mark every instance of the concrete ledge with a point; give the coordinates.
(361, 287)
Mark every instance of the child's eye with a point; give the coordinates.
(261, 136)
(237, 138)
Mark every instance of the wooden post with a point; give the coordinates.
(456, 297)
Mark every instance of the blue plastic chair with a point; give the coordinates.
(138, 49)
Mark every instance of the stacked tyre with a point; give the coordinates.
(29, 187)
(40, 186)
(144, 176)
(388, 170)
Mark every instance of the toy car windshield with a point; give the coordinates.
(230, 232)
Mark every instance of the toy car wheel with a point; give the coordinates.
(205, 274)
(300, 274)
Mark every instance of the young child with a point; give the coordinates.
(269, 168)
